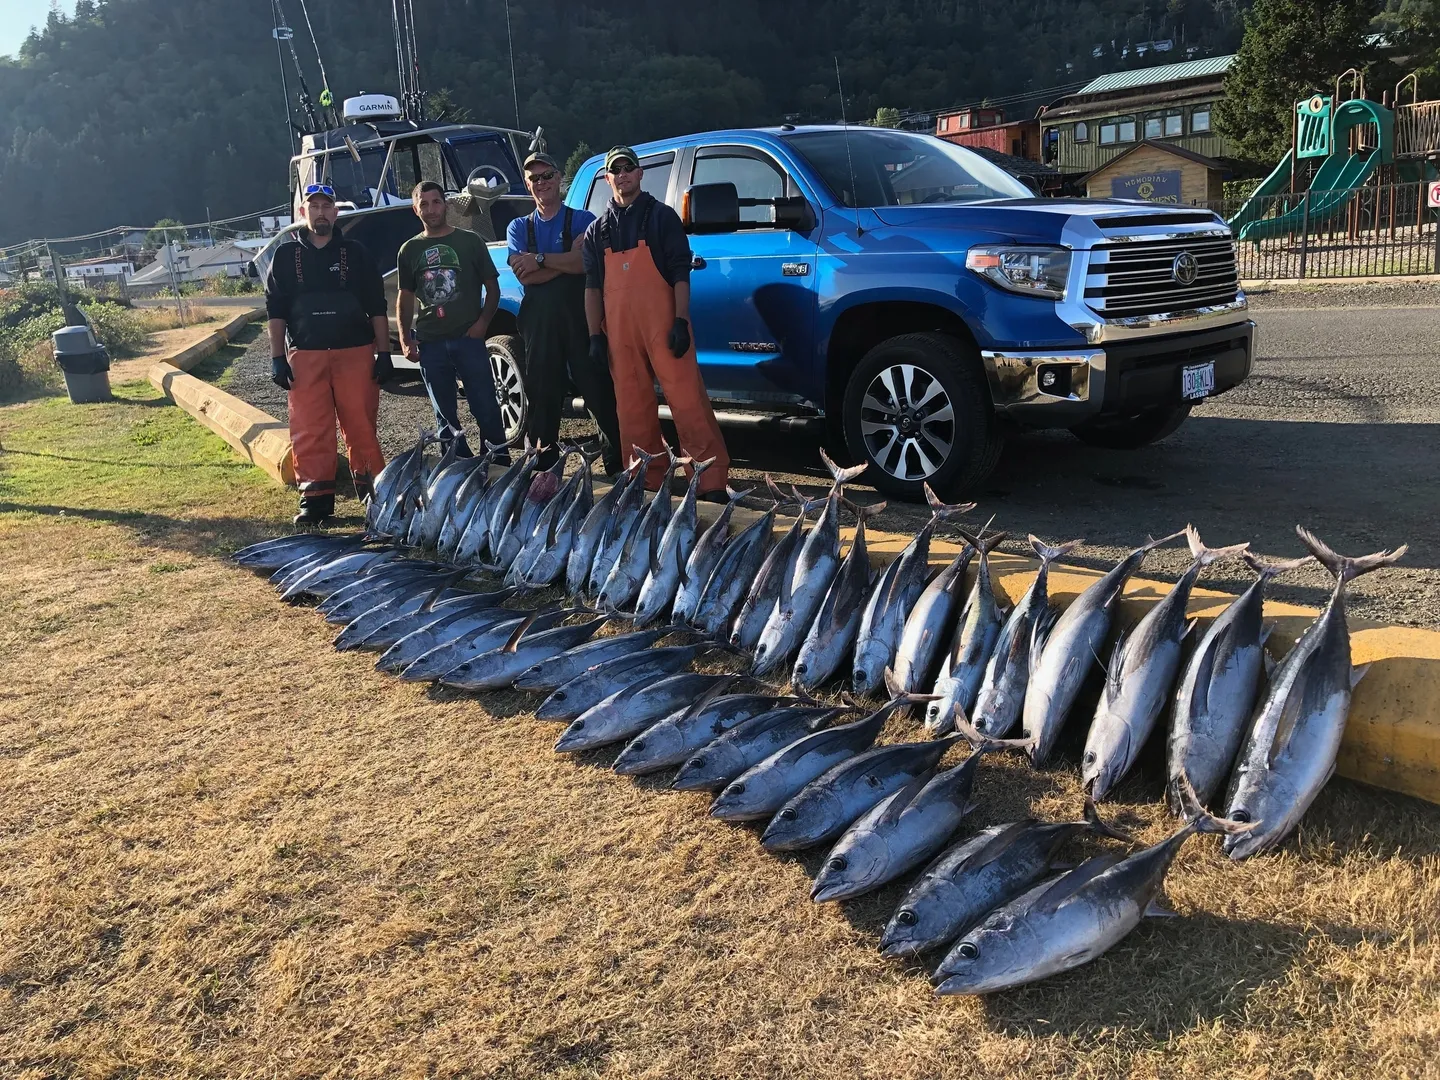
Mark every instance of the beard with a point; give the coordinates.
(322, 228)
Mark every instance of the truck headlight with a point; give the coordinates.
(1033, 271)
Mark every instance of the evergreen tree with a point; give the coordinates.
(1290, 48)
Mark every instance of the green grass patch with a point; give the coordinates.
(136, 461)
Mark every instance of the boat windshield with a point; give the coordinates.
(354, 181)
(487, 156)
(870, 168)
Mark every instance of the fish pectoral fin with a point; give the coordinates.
(1356, 674)
(1266, 631)
(1158, 910)
(1069, 884)
(1189, 628)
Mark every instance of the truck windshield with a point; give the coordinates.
(897, 168)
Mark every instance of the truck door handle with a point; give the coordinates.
(697, 263)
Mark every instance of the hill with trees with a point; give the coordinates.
(134, 110)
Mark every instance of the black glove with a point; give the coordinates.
(384, 367)
(280, 373)
(679, 339)
(599, 349)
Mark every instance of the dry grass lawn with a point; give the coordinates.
(229, 851)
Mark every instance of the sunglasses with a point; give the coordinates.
(622, 170)
(319, 189)
(543, 177)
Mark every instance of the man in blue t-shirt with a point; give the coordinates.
(545, 256)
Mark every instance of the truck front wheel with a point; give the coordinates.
(1132, 432)
(918, 410)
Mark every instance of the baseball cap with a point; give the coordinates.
(326, 190)
(620, 153)
(539, 158)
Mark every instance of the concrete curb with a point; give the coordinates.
(188, 358)
(255, 435)
(1258, 285)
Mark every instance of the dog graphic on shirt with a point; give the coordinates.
(440, 280)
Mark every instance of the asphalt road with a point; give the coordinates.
(1338, 429)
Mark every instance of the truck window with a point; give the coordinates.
(754, 177)
(656, 181)
(868, 167)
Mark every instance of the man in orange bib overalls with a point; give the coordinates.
(637, 306)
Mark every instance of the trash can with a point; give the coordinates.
(85, 363)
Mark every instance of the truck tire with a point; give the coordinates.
(918, 409)
(507, 367)
(1132, 432)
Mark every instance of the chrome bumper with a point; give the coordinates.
(1063, 387)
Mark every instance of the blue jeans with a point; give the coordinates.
(465, 358)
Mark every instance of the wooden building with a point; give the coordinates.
(1172, 104)
(979, 127)
(1158, 172)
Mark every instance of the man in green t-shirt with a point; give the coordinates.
(450, 273)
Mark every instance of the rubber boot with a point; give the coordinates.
(315, 509)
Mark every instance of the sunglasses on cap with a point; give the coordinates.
(319, 189)
(622, 168)
(543, 177)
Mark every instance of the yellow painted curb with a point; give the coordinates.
(256, 436)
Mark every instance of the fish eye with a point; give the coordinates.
(577, 725)
(837, 863)
(968, 950)
(695, 763)
(906, 917)
(559, 695)
(787, 814)
(638, 744)
(1242, 815)
(1089, 757)
(737, 789)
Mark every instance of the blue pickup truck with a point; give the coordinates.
(915, 301)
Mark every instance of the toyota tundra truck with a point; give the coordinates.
(913, 301)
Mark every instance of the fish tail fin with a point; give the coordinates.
(1048, 553)
(1343, 567)
(943, 510)
(1268, 569)
(979, 740)
(900, 696)
(1200, 819)
(842, 475)
(861, 512)
(1207, 555)
(1152, 542)
(775, 492)
(734, 495)
(1101, 827)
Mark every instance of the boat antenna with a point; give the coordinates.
(849, 161)
(327, 99)
(418, 96)
(514, 86)
(305, 103)
(399, 47)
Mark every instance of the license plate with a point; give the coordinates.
(1198, 381)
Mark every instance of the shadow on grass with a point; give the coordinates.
(217, 536)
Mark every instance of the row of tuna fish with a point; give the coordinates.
(812, 770)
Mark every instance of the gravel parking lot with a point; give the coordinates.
(1338, 429)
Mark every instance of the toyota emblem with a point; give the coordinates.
(1185, 269)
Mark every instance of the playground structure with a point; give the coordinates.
(1368, 152)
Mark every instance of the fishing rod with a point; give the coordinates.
(327, 99)
(305, 102)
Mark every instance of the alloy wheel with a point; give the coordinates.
(908, 422)
(509, 391)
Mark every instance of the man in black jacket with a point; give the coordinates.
(325, 293)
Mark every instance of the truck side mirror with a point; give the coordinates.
(710, 208)
(793, 212)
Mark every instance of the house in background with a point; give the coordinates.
(99, 268)
(1171, 105)
(191, 264)
(1159, 172)
(1014, 146)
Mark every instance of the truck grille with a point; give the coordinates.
(1139, 276)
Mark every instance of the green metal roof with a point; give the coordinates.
(1129, 80)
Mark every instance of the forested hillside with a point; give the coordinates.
(140, 109)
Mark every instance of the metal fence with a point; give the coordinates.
(1377, 231)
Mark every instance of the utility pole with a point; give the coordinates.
(174, 283)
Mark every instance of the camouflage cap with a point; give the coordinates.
(620, 153)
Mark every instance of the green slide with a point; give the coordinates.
(1256, 205)
(1330, 192)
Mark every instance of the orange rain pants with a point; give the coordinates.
(330, 383)
(639, 313)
